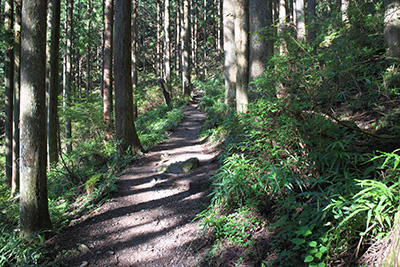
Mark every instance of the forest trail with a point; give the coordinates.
(149, 221)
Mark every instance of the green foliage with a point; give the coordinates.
(298, 159)
(154, 126)
(83, 179)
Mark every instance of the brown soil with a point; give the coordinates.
(150, 220)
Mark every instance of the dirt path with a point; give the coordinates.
(149, 221)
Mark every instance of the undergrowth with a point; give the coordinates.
(83, 179)
(315, 158)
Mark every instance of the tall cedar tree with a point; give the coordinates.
(67, 88)
(230, 68)
(17, 87)
(167, 53)
(53, 82)
(186, 68)
(242, 55)
(8, 83)
(261, 49)
(124, 122)
(34, 213)
(107, 69)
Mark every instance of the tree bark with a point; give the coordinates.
(167, 52)
(8, 84)
(68, 74)
(242, 53)
(17, 87)
(107, 69)
(134, 56)
(230, 67)
(53, 86)
(186, 68)
(194, 37)
(34, 213)
(310, 20)
(178, 44)
(300, 24)
(205, 39)
(124, 122)
(261, 49)
(282, 26)
(89, 49)
(158, 40)
(392, 27)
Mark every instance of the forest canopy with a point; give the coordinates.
(301, 97)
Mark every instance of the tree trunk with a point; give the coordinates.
(167, 53)
(68, 75)
(261, 49)
(300, 24)
(8, 84)
(392, 27)
(194, 37)
(230, 67)
(34, 213)
(89, 49)
(310, 20)
(282, 26)
(107, 69)
(242, 53)
(178, 37)
(124, 122)
(134, 56)
(205, 39)
(186, 68)
(343, 8)
(158, 40)
(53, 90)
(17, 87)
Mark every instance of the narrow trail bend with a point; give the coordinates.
(149, 221)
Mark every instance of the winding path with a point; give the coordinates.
(149, 221)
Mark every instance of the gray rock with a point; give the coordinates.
(180, 167)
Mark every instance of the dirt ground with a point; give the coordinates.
(150, 219)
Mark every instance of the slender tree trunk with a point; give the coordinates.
(301, 26)
(8, 84)
(68, 75)
(167, 52)
(53, 91)
(124, 122)
(178, 36)
(186, 83)
(103, 37)
(230, 67)
(135, 56)
(282, 26)
(107, 69)
(242, 52)
(17, 87)
(158, 40)
(310, 20)
(194, 37)
(219, 27)
(89, 48)
(392, 27)
(343, 8)
(205, 39)
(34, 213)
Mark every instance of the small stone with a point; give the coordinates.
(84, 263)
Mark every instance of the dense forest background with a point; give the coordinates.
(301, 96)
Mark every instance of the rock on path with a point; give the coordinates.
(149, 221)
